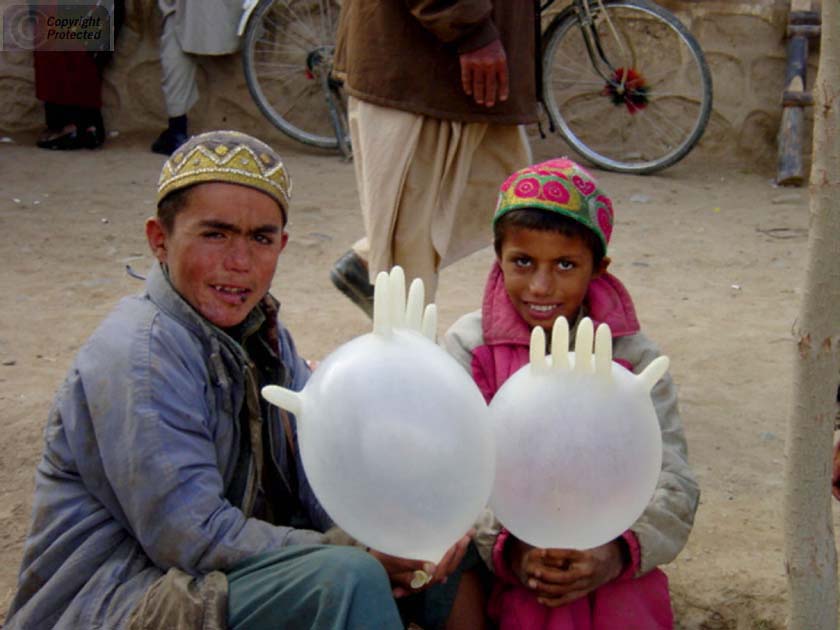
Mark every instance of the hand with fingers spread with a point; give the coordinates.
(560, 576)
(484, 74)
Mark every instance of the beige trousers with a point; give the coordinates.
(427, 187)
(178, 72)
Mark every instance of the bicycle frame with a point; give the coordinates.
(593, 42)
(248, 7)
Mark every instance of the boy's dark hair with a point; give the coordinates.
(546, 221)
(171, 205)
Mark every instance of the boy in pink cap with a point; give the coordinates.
(551, 230)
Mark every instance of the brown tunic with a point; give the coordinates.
(404, 54)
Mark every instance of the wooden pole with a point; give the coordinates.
(790, 170)
(810, 554)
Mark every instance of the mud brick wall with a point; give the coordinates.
(743, 40)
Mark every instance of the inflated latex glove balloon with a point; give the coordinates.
(394, 436)
(579, 448)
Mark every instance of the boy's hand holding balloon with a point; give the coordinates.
(410, 576)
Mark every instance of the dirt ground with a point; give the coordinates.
(712, 253)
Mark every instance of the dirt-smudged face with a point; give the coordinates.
(222, 250)
(546, 274)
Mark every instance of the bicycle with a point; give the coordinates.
(623, 81)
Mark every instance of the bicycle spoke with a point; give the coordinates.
(291, 35)
(297, 97)
(659, 96)
(662, 127)
(305, 24)
(576, 62)
(670, 118)
(270, 47)
(303, 34)
(589, 106)
(327, 24)
(596, 85)
(273, 76)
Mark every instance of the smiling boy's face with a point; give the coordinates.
(547, 274)
(222, 249)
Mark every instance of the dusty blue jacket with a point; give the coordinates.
(147, 464)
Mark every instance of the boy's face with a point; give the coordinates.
(222, 250)
(546, 274)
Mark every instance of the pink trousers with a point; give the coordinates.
(625, 604)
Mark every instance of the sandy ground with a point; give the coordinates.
(713, 254)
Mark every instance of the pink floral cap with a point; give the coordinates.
(563, 186)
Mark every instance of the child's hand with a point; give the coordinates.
(560, 576)
(403, 572)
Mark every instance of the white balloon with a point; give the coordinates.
(578, 444)
(394, 436)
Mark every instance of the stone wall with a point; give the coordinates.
(743, 41)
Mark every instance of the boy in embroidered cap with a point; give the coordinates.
(552, 228)
(170, 495)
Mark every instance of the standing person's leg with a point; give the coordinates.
(56, 116)
(180, 91)
(383, 146)
(487, 156)
(91, 126)
(427, 189)
(411, 240)
(311, 587)
(68, 82)
(450, 192)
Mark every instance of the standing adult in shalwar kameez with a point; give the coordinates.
(438, 93)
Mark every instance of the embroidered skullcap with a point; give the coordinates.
(563, 186)
(227, 156)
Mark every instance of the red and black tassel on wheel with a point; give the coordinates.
(627, 87)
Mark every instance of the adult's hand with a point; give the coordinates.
(401, 571)
(484, 74)
(560, 576)
(835, 473)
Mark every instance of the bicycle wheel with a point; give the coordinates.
(649, 109)
(288, 57)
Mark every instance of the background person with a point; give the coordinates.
(438, 91)
(69, 82)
